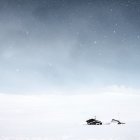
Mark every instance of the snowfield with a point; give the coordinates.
(129, 131)
(62, 117)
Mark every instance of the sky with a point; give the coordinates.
(64, 57)
(67, 44)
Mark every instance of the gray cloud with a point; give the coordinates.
(68, 44)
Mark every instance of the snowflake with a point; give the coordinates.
(114, 31)
(95, 42)
(17, 70)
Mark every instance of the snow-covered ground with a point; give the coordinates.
(62, 117)
(129, 131)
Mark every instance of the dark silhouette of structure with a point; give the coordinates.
(94, 122)
(97, 122)
(118, 122)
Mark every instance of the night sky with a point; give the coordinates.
(68, 45)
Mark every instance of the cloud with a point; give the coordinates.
(66, 45)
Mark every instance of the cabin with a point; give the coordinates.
(93, 122)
